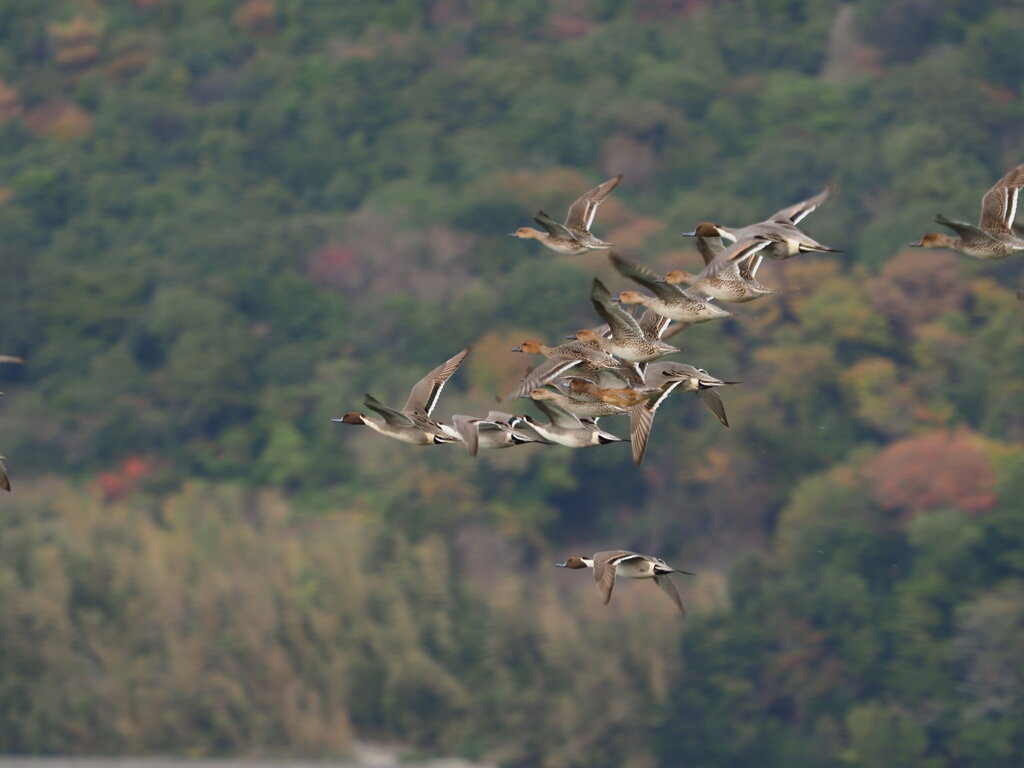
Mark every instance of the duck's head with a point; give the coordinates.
(587, 335)
(677, 276)
(352, 417)
(576, 561)
(631, 297)
(529, 347)
(580, 386)
(933, 240)
(525, 233)
(543, 394)
(704, 229)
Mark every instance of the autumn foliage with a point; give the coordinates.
(934, 470)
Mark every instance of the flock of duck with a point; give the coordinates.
(615, 369)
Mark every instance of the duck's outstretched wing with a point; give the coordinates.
(665, 584)
(582, 212)
(423, 397)
(962, 228)
(793, 214)
(713, 401)
(999, 205)
(391, 415)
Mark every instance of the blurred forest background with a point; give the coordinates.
(225, 220)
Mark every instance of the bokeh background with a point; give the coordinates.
(223, 221)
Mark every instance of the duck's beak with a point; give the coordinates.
(517, 349)
(915, 244)
(561, 565)
(691, 233)
(511, 234)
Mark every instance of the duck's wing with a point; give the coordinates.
(558, 416)
(423, 397)
(736, 255)
(467, 427)
(604, 570)
(713, 401)
(544, 373)
(622, 324)
(553, 227)
(709, 248)
(664, 583)
(999, 205)
(582, 212)
(652, 324)
(793, 214)
(391, 415)
(641, 420)
(962, 228)
(645, 277)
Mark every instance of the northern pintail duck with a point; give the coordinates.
(687, 306)
(628, 340)
(574, 236)
(624, 396)
(571, 356)
(785, 238)
(730, 276)
(995, 236)
(629, 565)
(413, 424)
(5, 481)
(497, 430)
(564, 428)
(667, 378)
(582, 408)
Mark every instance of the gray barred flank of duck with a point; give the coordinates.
(630, 565)
(995, 236)
(574, 236)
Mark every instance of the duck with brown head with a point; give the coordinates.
(785, 238)
(630, 565)
(412, 424)
(995, 235)
(574, 236)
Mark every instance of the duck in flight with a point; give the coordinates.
(630, 565)
(780, 230)
(995, 235)
(573, 237)
(412, 424)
